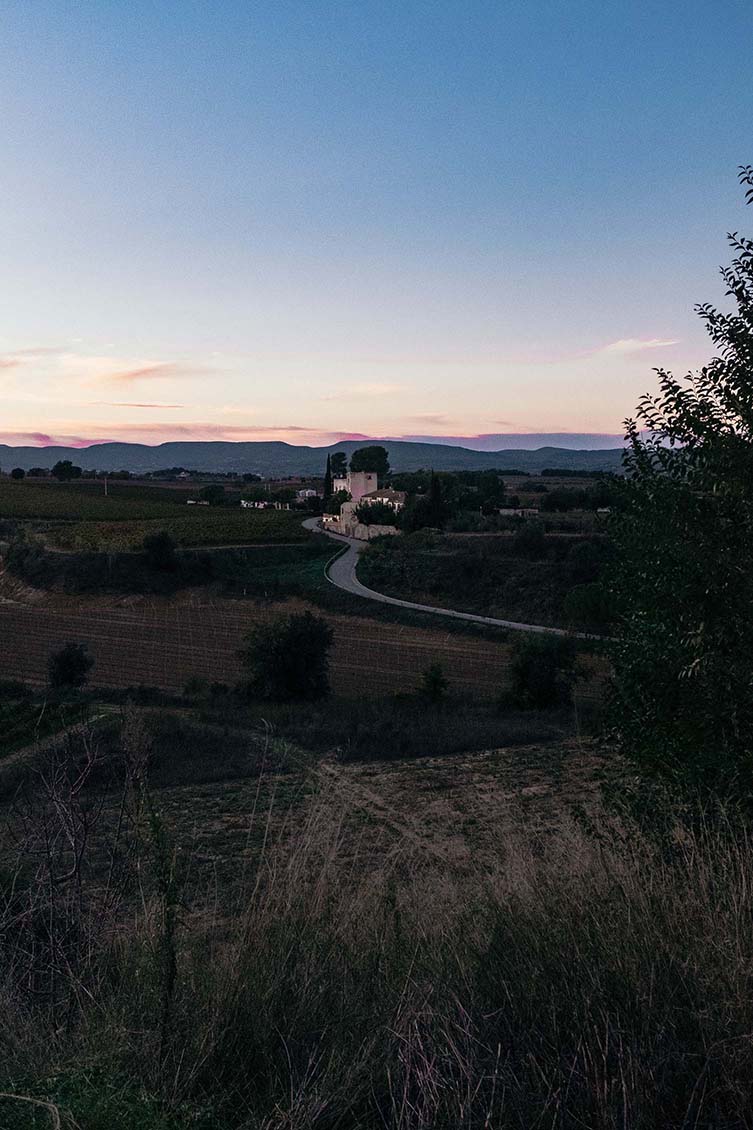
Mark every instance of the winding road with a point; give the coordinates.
(341, 571)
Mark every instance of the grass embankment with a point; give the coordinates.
(356, 969)
(505, 576)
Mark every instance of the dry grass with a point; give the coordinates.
(416, 945)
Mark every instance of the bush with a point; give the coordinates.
(589, 607)
(542, 669)
(289, 658)
(69, 668)
(434, 683)
(160, 552)
(530, 541)
(377, 514)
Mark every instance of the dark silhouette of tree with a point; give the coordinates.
(69, 667)
(377, 514)
(160, 552)
(434, 683)
(681, 577)
(542, 670)
(328, 478)
(339, 465)
(371, 459)
(18, 473)
(64, 471)
(288, 658)
(213, 494)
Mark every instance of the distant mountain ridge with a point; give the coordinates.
(277, 459)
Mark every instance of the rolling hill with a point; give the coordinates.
(280, 459)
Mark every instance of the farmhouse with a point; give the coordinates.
(395, 499)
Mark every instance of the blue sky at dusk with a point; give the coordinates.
(307, 220)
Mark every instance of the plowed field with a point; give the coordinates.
(164, 645)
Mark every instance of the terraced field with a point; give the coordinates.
(164, 644)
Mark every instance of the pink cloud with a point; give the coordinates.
(155, 433)
(133, 404)
(149, 372)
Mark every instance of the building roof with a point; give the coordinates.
(387, 494)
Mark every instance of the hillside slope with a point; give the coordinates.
(279, 459)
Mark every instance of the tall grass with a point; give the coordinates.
(583, 981)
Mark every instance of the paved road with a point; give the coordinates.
(341, 571)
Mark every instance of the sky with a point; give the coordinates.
(309, 221)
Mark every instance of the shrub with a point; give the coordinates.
(69, 667)
(542, 669)
(18, 473)
(160, 552)
(377, 514)
(434, 683)
(288, 658)
(589, 606)
(530, 540)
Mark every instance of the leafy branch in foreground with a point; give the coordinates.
(682, 579)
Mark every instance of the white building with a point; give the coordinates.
(395, 499)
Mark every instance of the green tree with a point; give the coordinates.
(683, 528)
(542, 669)
(339, 465)
(589, 607)
(334, 502)
(377, 514)
(160, 552)
(432, 509)
(371, 459)
(64, 470)
(288, 658)
(214, 494)
(434, 683)
(18, 473)
(328, 478)
(69, 667)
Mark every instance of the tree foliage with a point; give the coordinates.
(339, 465)
(542, 670)
(18, 473)
(64, 470)
(682, 578)
(69, 667)
(377, 514)
(372, 458)
(288, 658)
(160, 552)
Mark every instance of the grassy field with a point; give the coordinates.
(253, 938)
(196, 526)
(75, 501)
(491, 576)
